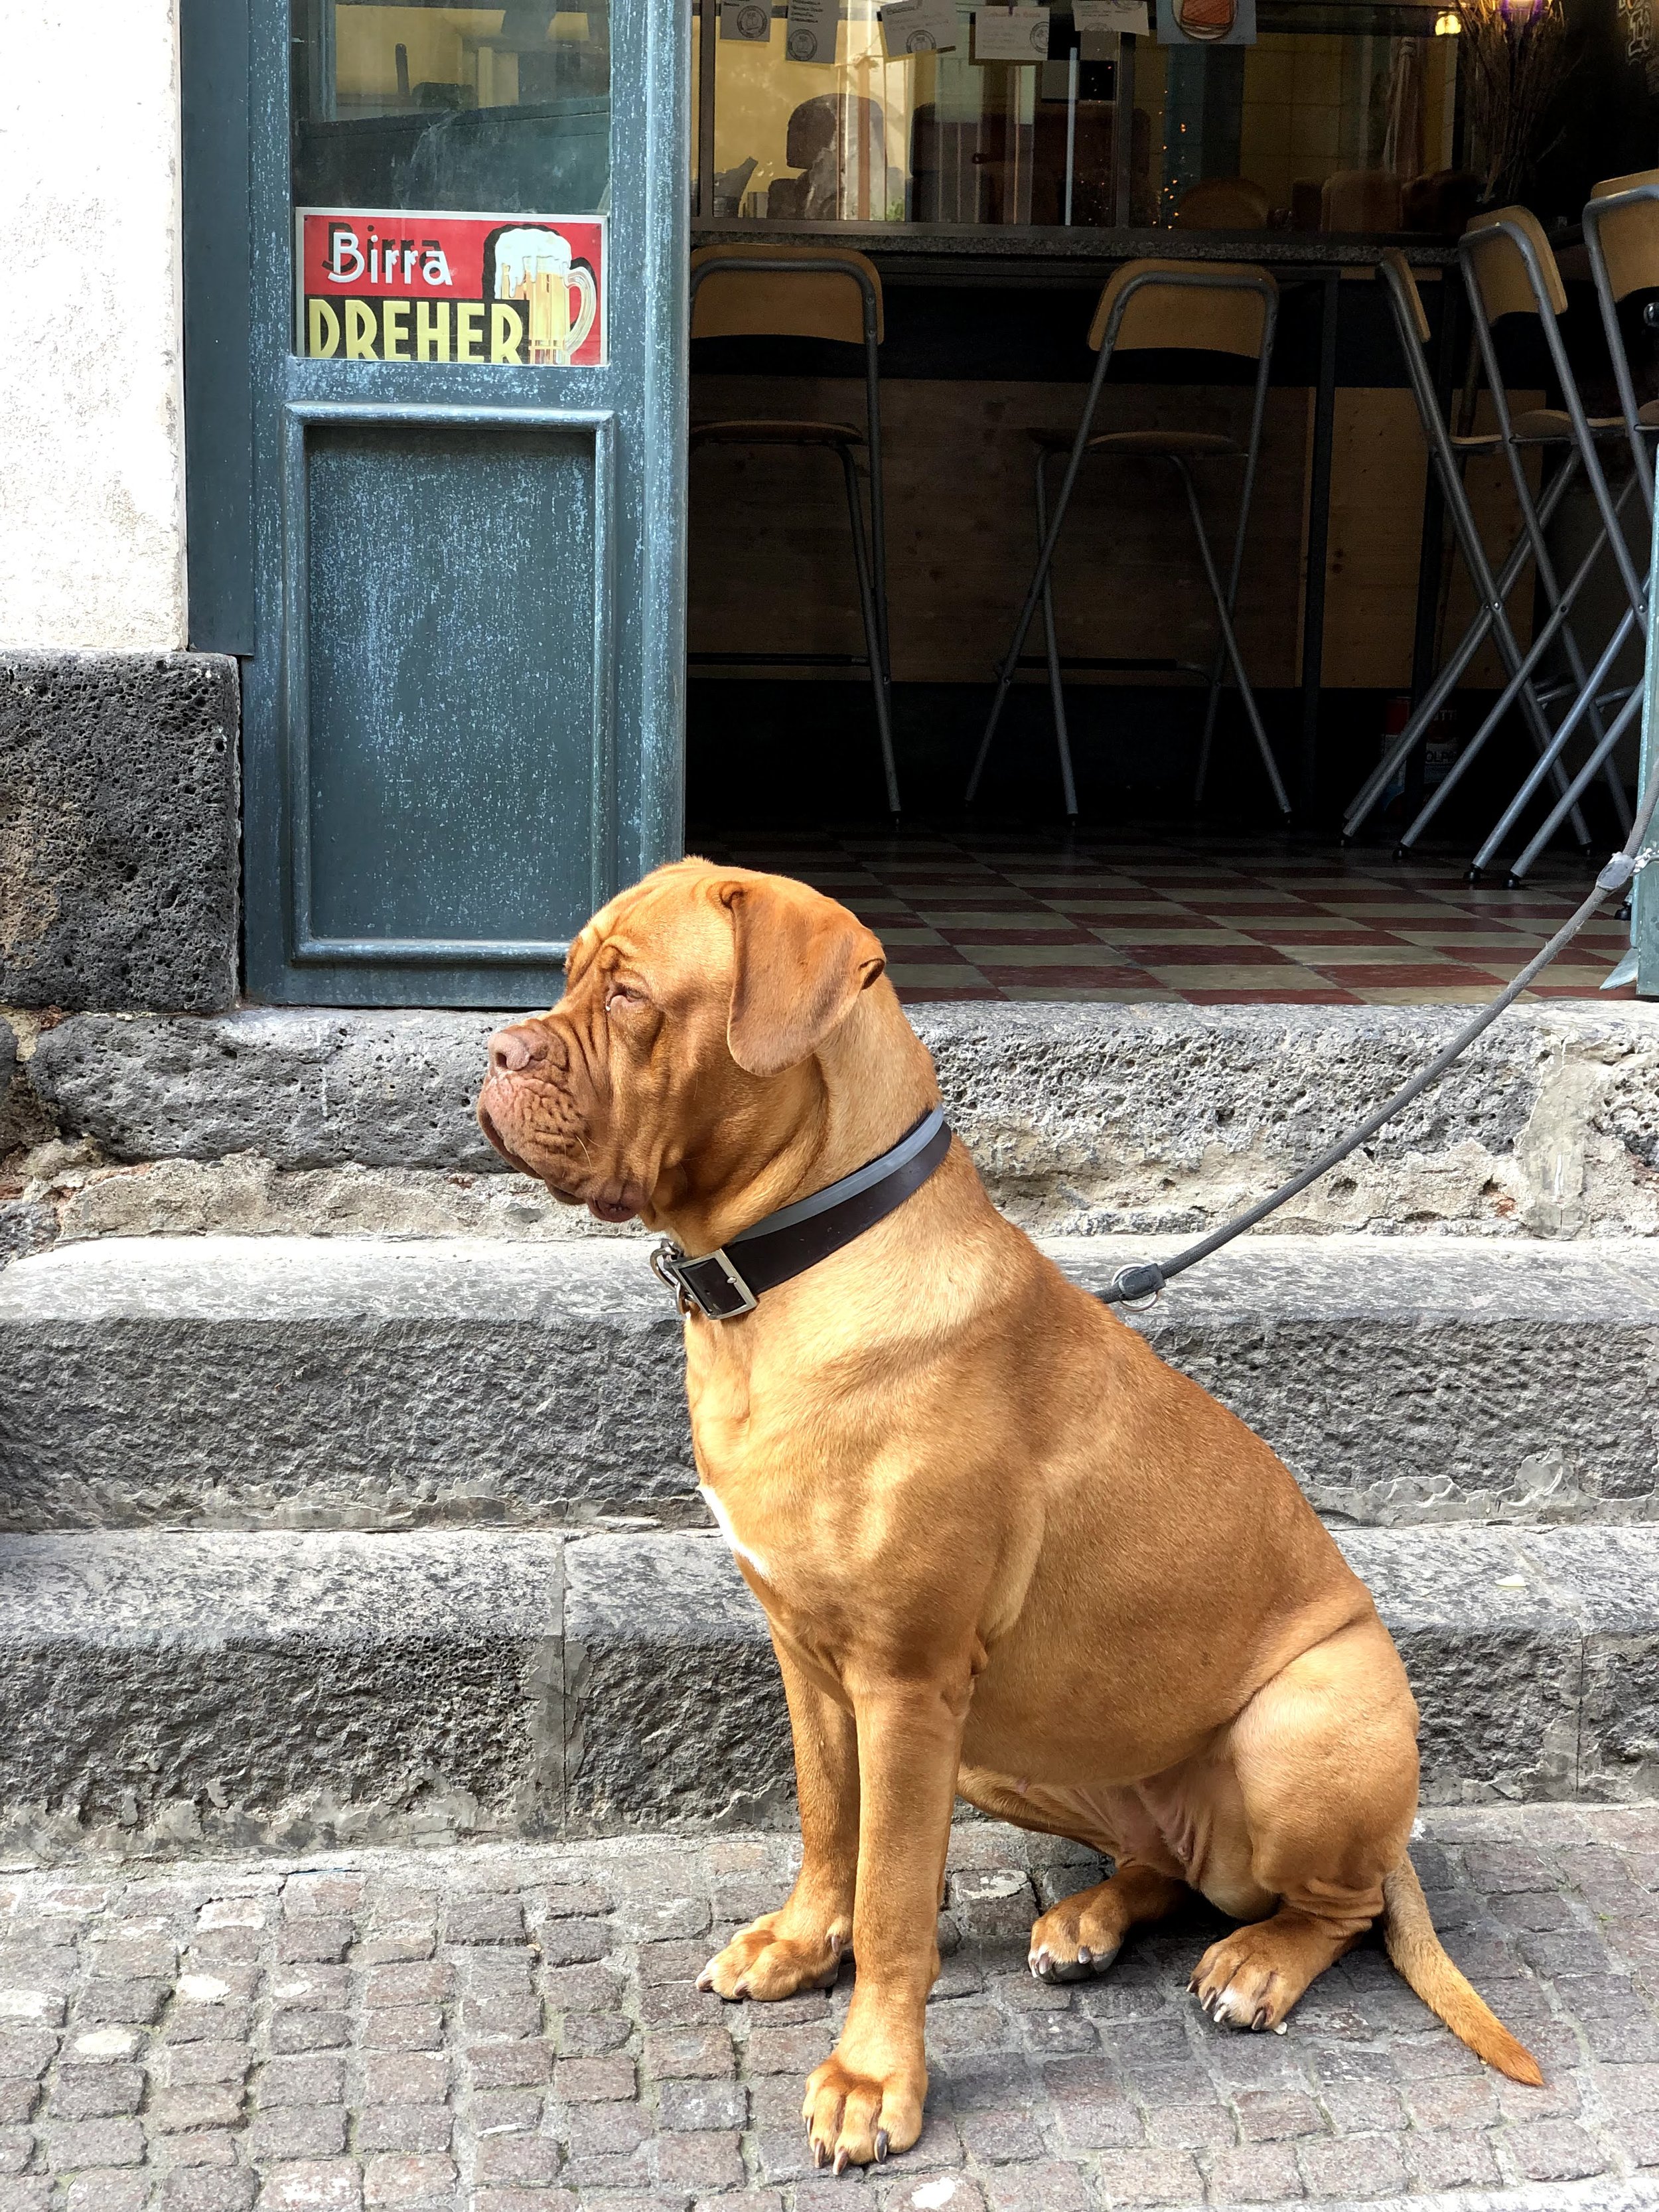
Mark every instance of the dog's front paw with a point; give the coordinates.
(853, 2117)
(764, 1962)
(1080, 1935)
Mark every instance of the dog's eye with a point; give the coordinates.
(623, 994)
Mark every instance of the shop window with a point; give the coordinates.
(1339, 115)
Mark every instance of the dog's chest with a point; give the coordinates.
(744, 1440)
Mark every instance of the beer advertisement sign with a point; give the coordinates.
(403, 284)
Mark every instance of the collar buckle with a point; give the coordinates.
(711, 1286)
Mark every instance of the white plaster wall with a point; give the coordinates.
(92, 521)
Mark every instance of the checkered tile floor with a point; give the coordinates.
(1212, 922)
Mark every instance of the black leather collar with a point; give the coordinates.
(729, 1282)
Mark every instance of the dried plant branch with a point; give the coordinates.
(1514, 58)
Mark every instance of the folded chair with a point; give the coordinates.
(802, 291)
(1222, 307)
(1509, 269)
(1448, 455)
(1621, 237)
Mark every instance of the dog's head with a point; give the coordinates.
(692, 1005)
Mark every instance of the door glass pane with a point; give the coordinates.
(417, 105)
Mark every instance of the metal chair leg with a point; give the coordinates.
(1549, 742)
(1207, 743)
(1548, 760)
(1230, 642)
(1493, 595)
(1034, 593)
(1598, 759)
(1056, 688)
(1569, 647)
(1044, 561)
(872, 641)
(1218, 665)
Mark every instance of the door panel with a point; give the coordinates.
(463, 726)
(450, 618)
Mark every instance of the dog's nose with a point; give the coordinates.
(510, 1050)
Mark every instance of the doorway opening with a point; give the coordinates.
(996, 198)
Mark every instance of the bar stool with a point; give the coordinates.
(1509, 269)
(1219, 307)
(1448, 454)
(1621, 236)
(766, 291)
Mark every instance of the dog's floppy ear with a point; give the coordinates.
(799, 961)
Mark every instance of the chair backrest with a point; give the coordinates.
(1629, 235)
(1222, 204)
(817, 296)
(1495, 262)
(1405, 288)
(1193, 307)
(1360, 199)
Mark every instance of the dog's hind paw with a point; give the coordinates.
(1049, 1965)
(1080, 1935)
(1253, 1978)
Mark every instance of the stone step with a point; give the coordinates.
(168, 1692)
(1082, 1118)
(322, 1383)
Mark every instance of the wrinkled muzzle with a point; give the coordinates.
(536, 1109)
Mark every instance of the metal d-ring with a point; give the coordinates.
(1139, 1287)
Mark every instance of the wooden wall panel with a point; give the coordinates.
(1379, 469)
(771, 565)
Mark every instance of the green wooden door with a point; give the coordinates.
(464, 699)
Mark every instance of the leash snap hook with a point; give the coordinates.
(1139, 1287)
(1620, 870)
(664, 1257)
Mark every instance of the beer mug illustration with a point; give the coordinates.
(561, 299)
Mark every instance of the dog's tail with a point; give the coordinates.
(1418, 1955)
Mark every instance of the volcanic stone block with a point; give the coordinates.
(1079, 1117)
(120, 870)
(284, 1689)
(1612, 1577)
(293, 1691)
(304, 1089)
(27, 1225)
(1494, 1650)
(675, 1711)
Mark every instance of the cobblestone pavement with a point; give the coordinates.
(516, 2030)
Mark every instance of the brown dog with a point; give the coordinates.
(1002, 1549)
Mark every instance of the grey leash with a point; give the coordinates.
(1137, 1286)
